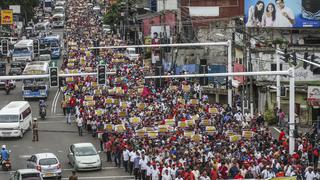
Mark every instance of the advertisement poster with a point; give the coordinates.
(6, 17)
(282, 13)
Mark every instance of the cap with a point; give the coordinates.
(35, 119)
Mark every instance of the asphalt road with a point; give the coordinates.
(55, 136)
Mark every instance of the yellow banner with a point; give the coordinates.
(88, 98)
(119, 128)
(7, 17)
(135, 120)
(163, 128)
(247, 134)
(285, 178)
(213, 110)
(182, 124)
(153, 135)
(234, 138)
(98, 112)
(170, 122)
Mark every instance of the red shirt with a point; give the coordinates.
(281, 135)
(214, 174)
(238, 176)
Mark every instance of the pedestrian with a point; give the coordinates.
(64, 107)
(35, 130)
(68, 114)
(79, 124)
(73, 176)
(108, 150)
(125, 155)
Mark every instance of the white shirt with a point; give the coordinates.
(155, 173)
(164, 170)
(282, 21)
(125, 154)
(149, 171)
(166, 177)
(143, 164)
(309, 176)
(79, 121)
(204, 178)
(132, 156)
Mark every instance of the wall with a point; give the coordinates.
(168, 5)
(169, 19)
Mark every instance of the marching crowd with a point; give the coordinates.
(168, 132)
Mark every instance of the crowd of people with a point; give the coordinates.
(168, 132)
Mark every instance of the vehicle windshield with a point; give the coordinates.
(58, 11)
(48, 161)
(21, 51)
(9, 118)
(31, 176)
(33, 81)
(14, 65)
(47, 4)
(85, 151)
(57, 19)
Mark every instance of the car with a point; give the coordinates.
(25, 174)
(47, 163)
(84, 156)
(15, 68)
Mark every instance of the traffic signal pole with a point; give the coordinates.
(278, 99)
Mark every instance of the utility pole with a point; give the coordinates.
(278, 81)
(251, 81)
(126, 29)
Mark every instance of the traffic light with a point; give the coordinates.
(286, 56)
(101, 74)
(4, 47)
(54, 80)
(294, 58)
(305, 57)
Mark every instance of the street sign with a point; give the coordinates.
(54, 80)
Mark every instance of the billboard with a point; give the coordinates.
(282, 13)
(6, 17)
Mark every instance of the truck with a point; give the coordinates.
(23, 51)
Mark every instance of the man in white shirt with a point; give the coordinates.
(284, 15)
(238, 116)
(155, 173)
(166, 175)
(125, 155)
(166, 168)
(309, 175)
(132, 155)
(143, 166)
(268, 173)
(173, 171)
(79, 121)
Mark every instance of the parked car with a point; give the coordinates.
(25, 174)
(84, 156)
(47, 163)
(15, 68)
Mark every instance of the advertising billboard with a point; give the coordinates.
(6, 17)
(282, 13)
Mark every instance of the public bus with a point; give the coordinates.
(54, 42)
(36, 87)
(58, 20)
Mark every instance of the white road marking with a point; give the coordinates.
(46, 149)
(60, 151)
(53, 102)
(50, 122)
(105, 177)
(55, 105)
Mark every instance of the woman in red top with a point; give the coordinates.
(214, 173)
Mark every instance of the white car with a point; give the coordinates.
(84, 156)
(26, 174)
(47, 163)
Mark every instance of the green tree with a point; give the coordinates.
(27, 6)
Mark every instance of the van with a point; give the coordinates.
(15, 119)
(23, 51)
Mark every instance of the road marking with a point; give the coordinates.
(46, 149)
(53, 102)
(55, 105)
(103, 168)
(49, 122)
(105, 177)
(60, 151)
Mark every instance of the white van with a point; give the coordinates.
(23, 51)
(15, 119)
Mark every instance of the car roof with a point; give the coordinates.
(26, 171)
(45, 155)
(82, 144)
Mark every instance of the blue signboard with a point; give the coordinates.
(282, 13)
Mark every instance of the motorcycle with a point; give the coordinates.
(7, 89)
(43, 112)
(6, 165)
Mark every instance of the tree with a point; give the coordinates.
(27, 6)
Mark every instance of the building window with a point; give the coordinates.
(274, 67)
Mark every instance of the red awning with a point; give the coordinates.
(313, 102)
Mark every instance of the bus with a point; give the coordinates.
(42, 28)
(23, 51)
(47, 6)
(36, 87)
(15, 119)
(54, 42)
(58, 20)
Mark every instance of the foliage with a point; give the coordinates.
(112, 15)
(26, 6)
(269, 117)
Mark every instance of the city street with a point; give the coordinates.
(55, 136)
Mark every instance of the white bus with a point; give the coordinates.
(39, 87)
(23, 51)
(15, 119)
(47, 6)
(58, 20)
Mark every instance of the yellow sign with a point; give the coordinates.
(98, 112)
(7, 17)
(206, 122)
(247, 134)
(163, 128)
(285, 178)
(89, 103)
(140, 132)
(234, 138)
(173, 88)
(135, 120)
(210, 129)
(194, 101)
(123, 105)
(196, 137)
(153, 135)
(88, 98)
(190, 122)
(109, 127)
(186, 88)
(122, 114)
(170, 122)
(213, 110)
(188, 134)
(109, 101)
(182, 124)
(119, 128)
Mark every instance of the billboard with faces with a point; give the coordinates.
(282, 13)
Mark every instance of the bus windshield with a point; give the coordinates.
(9, 118)
(21, 51)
